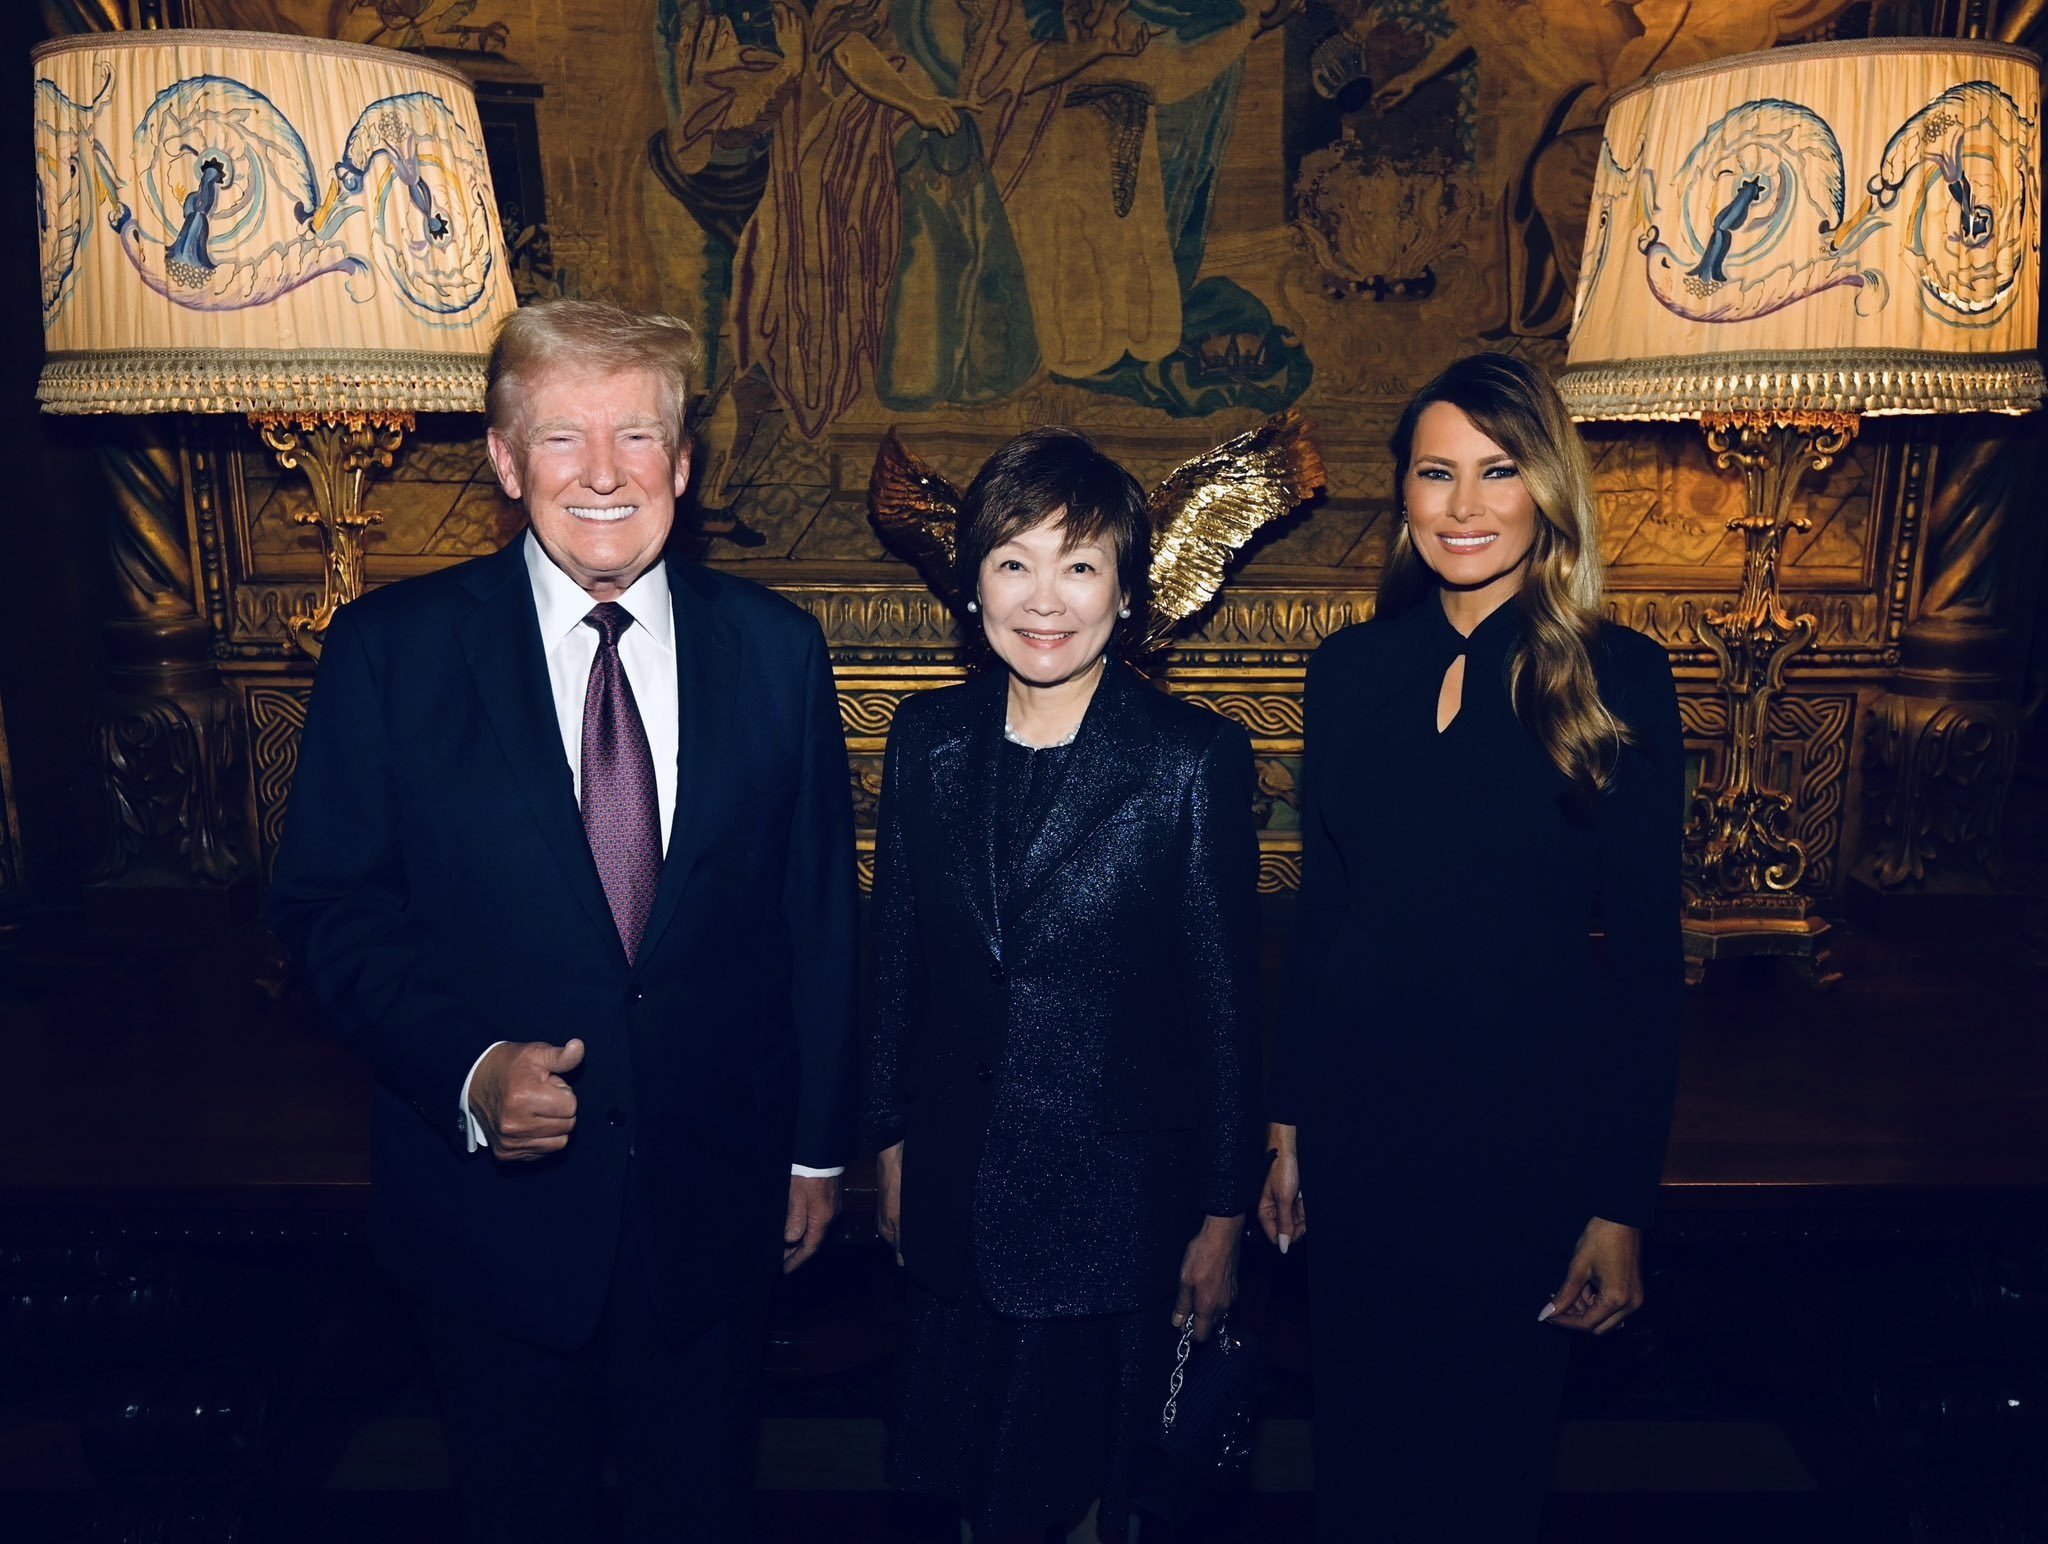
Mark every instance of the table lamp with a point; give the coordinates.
(1781, 244)
(293, 229)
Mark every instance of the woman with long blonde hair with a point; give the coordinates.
(1477, 1096)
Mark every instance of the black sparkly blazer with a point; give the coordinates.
(1127, 929)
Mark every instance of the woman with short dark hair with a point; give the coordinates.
(1064, 1024)
(1477, 1099)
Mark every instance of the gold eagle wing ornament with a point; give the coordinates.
(1202, 514)
(1208, 508)
(915, 511)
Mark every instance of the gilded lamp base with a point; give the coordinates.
(1742, 863)
(1757, 926)
(339, 451)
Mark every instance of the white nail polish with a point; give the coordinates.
(1283, 1243)
(1548, 1310)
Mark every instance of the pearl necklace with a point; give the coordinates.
(1016, 739)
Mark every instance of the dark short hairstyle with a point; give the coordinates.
(1057, 471)
(589, 335)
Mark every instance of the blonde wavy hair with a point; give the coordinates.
(1550, 668)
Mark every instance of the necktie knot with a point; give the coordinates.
(611, 621)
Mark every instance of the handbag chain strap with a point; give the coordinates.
(1180, 1365)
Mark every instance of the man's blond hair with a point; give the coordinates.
(589, 335)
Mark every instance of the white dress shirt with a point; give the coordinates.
(647, 650)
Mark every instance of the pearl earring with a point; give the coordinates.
(1125, 613)
(973, 606)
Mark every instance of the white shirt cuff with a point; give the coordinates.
(476, 1131)
(808, 1173)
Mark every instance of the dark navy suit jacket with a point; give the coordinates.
(436, 887)
(1129, 923)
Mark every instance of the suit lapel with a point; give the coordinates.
(1104, 770)
(501, 641)
(964, 769)
(709, 652)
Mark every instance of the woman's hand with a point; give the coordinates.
(889, 1197)
(1208, 1274)
(1281, 1212)
(1605, 1283)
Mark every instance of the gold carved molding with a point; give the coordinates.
(1936, 774)
(277, 714)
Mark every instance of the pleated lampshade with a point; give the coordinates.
(250, 223)
(1841, 228)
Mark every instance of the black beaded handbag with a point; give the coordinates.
(1202, 1440)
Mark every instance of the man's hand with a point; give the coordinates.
(1208, 1274)
(520, 1099)
(1281, 1211)
(1605, 1283)
(889, 1197)
(813, 1203)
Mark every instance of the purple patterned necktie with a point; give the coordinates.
(620, 813)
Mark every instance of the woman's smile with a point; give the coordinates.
(1469, 541)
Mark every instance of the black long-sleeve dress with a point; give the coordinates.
(1472, 1081)
(1064, 1038)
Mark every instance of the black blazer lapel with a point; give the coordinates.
(709, 651)
(501, 641)
(964, 769)
(1106, 768)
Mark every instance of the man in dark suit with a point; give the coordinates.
(569, 860)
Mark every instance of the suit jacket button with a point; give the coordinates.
(615, 1117)
(983, 1072)
(634, 994)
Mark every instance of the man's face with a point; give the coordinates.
(596, 467)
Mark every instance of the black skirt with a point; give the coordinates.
(1023, 1422)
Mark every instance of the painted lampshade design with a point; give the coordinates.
(1842, 227)
(238, 222)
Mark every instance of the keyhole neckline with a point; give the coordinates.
(1450, 693)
